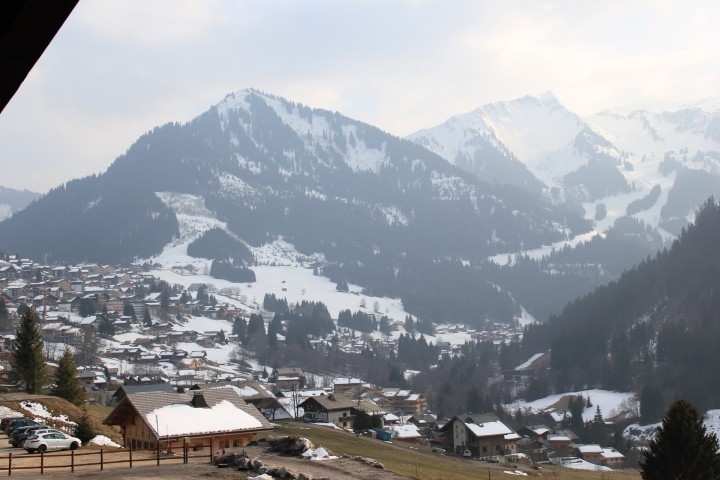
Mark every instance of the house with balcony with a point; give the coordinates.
(482, 434)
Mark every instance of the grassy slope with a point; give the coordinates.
(58, 406)
(420, 462)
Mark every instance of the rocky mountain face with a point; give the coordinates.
(379, 211)
(654, 163)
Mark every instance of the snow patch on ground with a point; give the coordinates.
(610, 402)
(103, 441)
(40, 411)
(6, 412)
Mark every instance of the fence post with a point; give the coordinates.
(72, 461)
(185, 455)
(158, 453)
(42, 462)
(212, 441)
(10, 465)
(102, 467)
(130, 450)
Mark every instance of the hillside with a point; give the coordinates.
(12, 200)
(657, 326)
(54, 411)
(367, 207)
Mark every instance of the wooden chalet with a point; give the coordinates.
(197, 419)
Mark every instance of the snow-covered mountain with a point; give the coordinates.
(373, 209)
(12, 200)
(656, 164)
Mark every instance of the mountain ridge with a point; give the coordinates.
(386, 213)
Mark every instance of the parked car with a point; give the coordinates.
(467, 454)
(14, 437)
(5, 421)
(493, 459)
(51, 441)
(22, 422)
(18, 439)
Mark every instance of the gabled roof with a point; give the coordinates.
(182, 415)
(331, 402)
(144, 388)
(488, 429)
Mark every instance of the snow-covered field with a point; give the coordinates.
(610, 403)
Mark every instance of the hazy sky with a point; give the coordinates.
(118, 68)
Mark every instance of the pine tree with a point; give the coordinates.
(29, 366)
(67, 384)
(84, 429)
(147, 320)
(682, 448)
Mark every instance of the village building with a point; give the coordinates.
(612, 458)
(333, 408)
(483, 435)
(217, 419)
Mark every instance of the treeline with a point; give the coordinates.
(658, 325)
(226, 270)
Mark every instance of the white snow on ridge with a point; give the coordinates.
(539, 131)
(538, 253)
(5, 211)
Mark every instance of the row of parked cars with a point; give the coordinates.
(36, 437)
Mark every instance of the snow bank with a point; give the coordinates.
(318, 454)
(103, 441)
(40, 411)
(6, 412)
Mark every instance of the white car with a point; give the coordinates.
(51, 441)
(467, 454)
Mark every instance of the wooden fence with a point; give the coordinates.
(100, 458)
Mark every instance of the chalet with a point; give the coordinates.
(207, 342)
(92, 379)
(332, 408)
(591, 453)
(62, 285)
(8, 272)
(482, 434)
(219, 418)
(402, 401)
(60, 333)
(406, 433)
(537, 433)
(423, 421)
(343, 385)
(114, 304)
(612, 458)
(560, 444)
(289, 378)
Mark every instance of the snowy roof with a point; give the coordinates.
(176, 414)
(590, 449)
(558, 438)
(611, 453)
(512, 436)
(406, 431)
(488, 429)
(529, 361)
